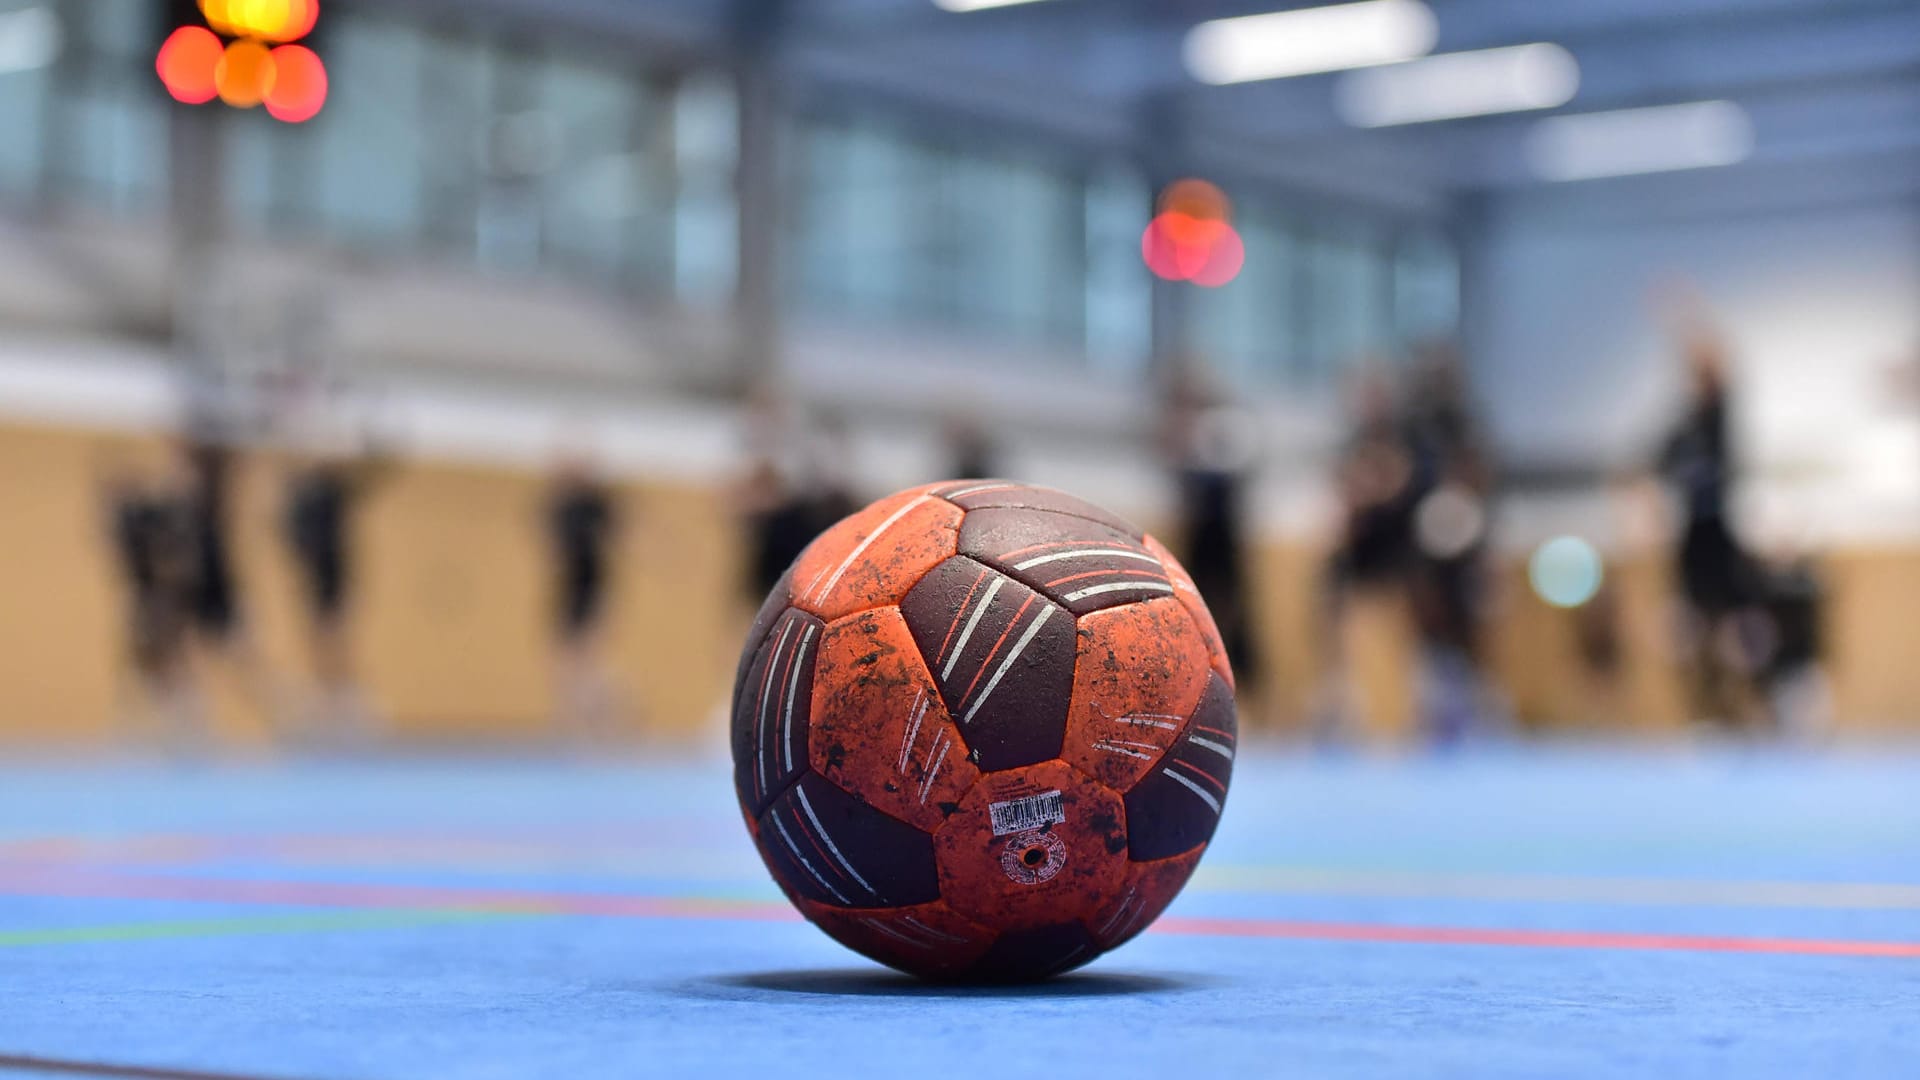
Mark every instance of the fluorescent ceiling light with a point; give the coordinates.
(1287, 43)
(1584, 146)
(978, 5)
(1454, 85)
(29, 39)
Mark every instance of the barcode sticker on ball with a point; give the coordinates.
(1027, 814)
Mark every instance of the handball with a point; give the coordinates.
(983, 731)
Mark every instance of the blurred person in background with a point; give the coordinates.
(1792, 674)
(219, 614)
(770, 497)
(1721, 589)
(1366, 578)
(970, 451)
(1451, 481)
(1211, 446)
(831, 491)
(797, 483)
(582, 526)
(149, 517)
(323, 496)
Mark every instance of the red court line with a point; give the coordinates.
(535, 902)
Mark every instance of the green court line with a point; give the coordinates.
(315, 922)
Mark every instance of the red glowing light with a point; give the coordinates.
(1180, 247)
(188, 64)
(1224, 261)
(300, 90)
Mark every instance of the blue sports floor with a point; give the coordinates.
(1525, 913)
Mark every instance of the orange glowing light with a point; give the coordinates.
(264, 20)
(245, 75)
(1196, 198)
(300, 86)
(187, 65)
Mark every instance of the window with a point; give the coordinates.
(110, 118)
(1249, 329)
(1426, 288)
(373, 146)
(705, 224)
(901, 228)
(31, 41)
(1119, 290)
(1349, 318)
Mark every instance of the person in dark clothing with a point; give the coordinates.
(150, 522)
(1450, 481)
(780, 522)
(216, 606)
(1374, 545)
(322, 499)
(217, 611)
(582, 524)
(1211, 448)
(1719, 579)
(1792, 674)
(969, 450)
(1379, 492)
(319, 502)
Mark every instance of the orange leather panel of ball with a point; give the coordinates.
(1139, 674)
(880, 729)
(873, 557)
(1189, 594)
(1031, 847)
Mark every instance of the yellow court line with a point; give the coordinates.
(1427, 885)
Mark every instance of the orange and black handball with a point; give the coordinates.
(983, 731)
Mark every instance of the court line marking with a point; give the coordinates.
(1551, 888)
(102, 1068)
(1379, 933)
(297, 923)
(443, 899)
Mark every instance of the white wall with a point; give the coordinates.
(1821, 305)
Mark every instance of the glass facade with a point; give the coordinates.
(897, 226)
(518, 154)
(1317, 297)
